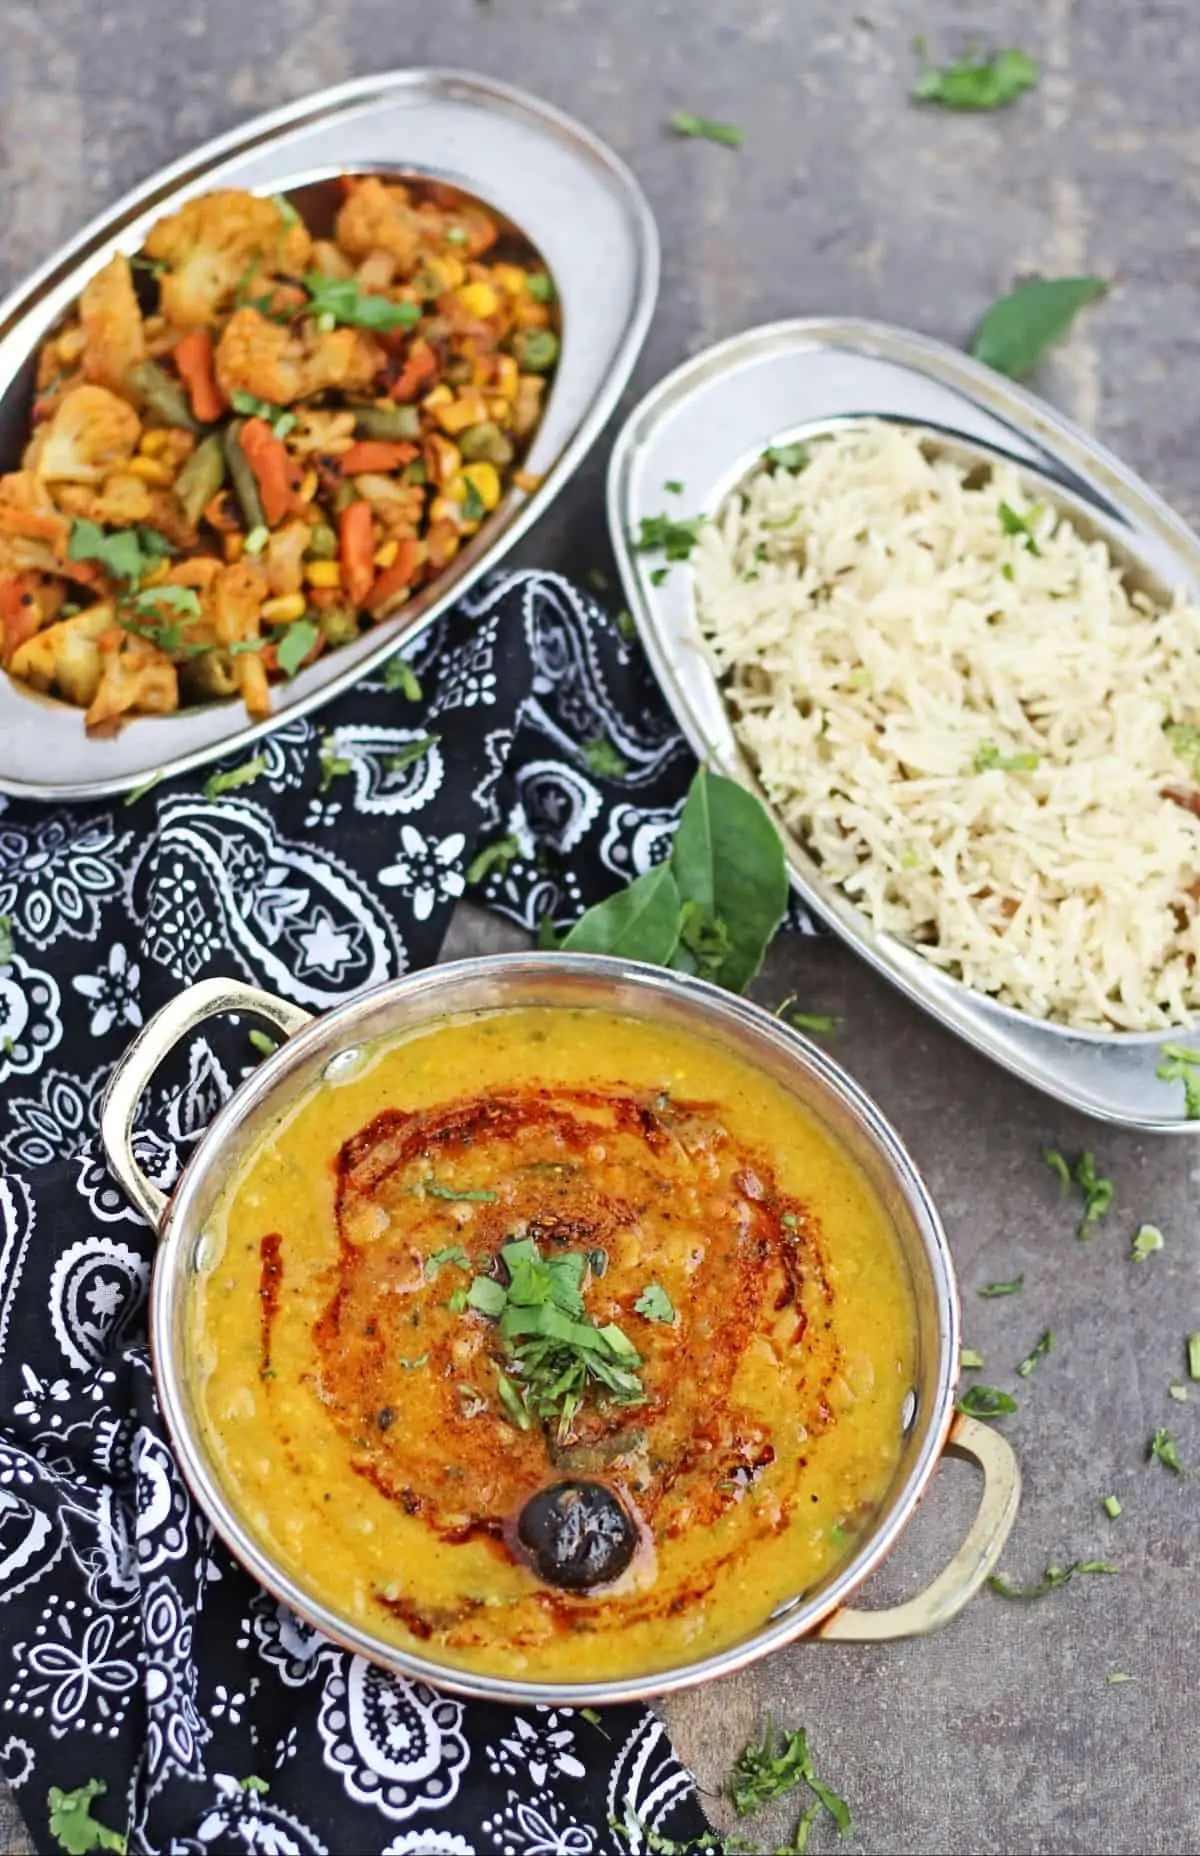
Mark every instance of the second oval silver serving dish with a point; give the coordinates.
(565, 191)
(706, 426)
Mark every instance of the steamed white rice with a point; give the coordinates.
(880, 635)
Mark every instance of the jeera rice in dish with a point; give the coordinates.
(984, 734)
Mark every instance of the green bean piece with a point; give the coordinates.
(486, 443)
(322, 543)
(201, 477)
(153, 387)
(535, 349)
(242, 477)
(387, 421)
(339, 624)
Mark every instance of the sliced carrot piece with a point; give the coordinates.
(401, 573)
(268, 459)
(194, 359)
(420, 366)
(377, 454)
(357, 542)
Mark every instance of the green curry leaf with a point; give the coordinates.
(727, 857)
(1019, 328)
(640, 922)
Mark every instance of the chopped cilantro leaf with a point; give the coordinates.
(978, 83)
(986, 1402)
(1038, 1352)
(656, 1305)
(1146, 1240)
(496, 856)
(410, 752)
(787, 457)
(341, 298)
(989, 759)
(674, 538)
(294, 644)
(72, 1825)
(1003, 1288)
(234, 777)
(602, 758)
(707, 128)
(1164, 1450)
(1051, 1579)
(398, 674)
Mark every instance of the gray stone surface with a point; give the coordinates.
(1001, 1734)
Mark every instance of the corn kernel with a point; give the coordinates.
(447, 271)
(485, 479)
(156, 575)
(308, 486)
(440, 396)
(70, 346)
(479, 299)
(150, 470)
(510, 277)
(233, 545)
(499, 411)
(153, 444)
(323, 573)
(445, 508)
(386, 555)
(470, 408)
(285, 608)
(507, 376)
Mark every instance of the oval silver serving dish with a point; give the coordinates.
(563, 189)
(574, 982)
(706, 425)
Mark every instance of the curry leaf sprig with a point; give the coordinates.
(712, 907)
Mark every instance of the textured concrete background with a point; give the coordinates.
(1001, 1734)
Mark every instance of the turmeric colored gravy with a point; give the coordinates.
(354, 1404)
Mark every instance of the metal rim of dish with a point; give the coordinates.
(837, 369)
(314, 139)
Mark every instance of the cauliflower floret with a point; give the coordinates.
(255, 355)
(135, 676)
(66, 655)
(91, 435)
(380, 218)
(120, 502)
(285, 557)
(317, 430)
(27, 511)
(218, 242)
(234, 605)
(114, 339)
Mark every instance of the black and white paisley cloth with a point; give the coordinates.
(132, 1649)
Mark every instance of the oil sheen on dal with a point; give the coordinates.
(351, 1401)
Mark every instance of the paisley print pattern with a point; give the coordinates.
(132, 1647)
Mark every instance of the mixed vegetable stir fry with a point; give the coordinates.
(250, 442)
